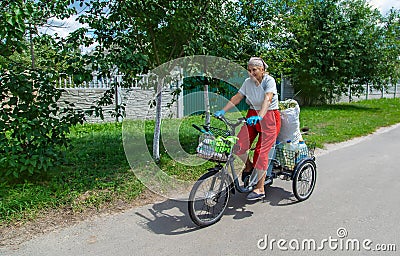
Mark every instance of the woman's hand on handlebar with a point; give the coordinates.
(219, 113)
(253, 120)
(228, 122)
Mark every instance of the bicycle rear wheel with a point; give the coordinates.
(304, 180)
(209, 198)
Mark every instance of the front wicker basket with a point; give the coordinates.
(214, 148)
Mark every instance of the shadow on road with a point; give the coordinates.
(277, 196)
(171, 217)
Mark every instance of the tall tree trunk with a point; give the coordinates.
(157, 126)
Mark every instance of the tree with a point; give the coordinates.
(390, 65)
(33, 127)
(339, 44)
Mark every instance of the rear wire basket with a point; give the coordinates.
(215, 146)
(289, 158)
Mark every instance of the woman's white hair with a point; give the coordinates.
(258, 62)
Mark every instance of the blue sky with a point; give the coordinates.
(385, 5)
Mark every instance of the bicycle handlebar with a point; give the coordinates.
(197, 128)
(228, 123)
(231, 124)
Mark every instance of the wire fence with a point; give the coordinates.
(369, 92)
(100, 82)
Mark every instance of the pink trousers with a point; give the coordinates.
(267, 129)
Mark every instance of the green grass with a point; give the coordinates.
(97, 173)
(341, 122)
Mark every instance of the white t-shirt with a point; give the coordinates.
(255, 94)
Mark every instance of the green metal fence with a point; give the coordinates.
(219, 94)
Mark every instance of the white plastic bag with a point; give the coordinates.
(290, 121)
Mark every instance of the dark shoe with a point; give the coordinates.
(254, 196)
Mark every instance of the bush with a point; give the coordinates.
(33, 128)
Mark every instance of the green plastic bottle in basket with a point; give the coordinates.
(224, 145)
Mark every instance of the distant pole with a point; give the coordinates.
(282, 86)
(118, 100)
(367, 92)
(207, 104)
(32, 50)
(349, 92)
(177, 77)
(179, 104)
(206, 96)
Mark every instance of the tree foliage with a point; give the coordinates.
(324, 46)
(33, 127)
(390, 65)
(340, 44)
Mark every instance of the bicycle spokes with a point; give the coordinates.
(208, 199)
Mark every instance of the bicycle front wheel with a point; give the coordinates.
(209, 198)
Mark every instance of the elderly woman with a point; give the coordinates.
(263, 120)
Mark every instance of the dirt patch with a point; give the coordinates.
(50, 220)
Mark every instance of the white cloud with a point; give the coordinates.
(385, 5)
(63, 28)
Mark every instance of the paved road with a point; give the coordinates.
(357, 194)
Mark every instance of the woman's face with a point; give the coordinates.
(256, 73)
